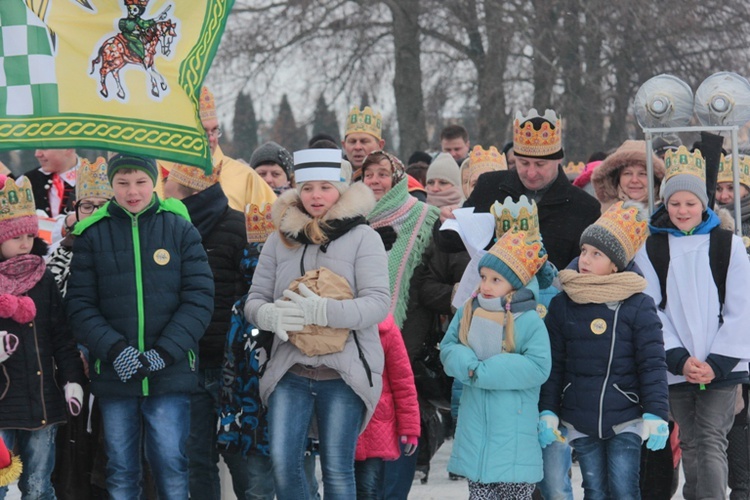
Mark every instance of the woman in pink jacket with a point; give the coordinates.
(396, 418)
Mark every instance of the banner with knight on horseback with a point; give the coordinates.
(118, 75)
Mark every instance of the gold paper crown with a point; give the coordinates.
(574, 168)
(207, 105)
(486, 159)
(683, 161)
(258, 222)
(365, 121)
(509, 215)
(725, 169)
(194, 177)
(522, 252)
(16, 199)
(92, 180)
(537, 143)
(623, 223)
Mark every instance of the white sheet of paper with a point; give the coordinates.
(476, 231)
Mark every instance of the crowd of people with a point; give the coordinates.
(323, 307)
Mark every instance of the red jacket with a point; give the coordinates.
(397, 413)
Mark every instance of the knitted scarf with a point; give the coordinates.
(450, 196)
(595, 289)
(19, 274)
(412, 220)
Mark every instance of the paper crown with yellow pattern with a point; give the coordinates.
(193, 177)
(521, 215)
(92, 180)
(207, 105)
(538, 136)
(619, 232)
(365, 121)
(726, 167)
(140, 3)
(574, 168)
(17, 209)
(517, 256)
(686, 171)
(486, 160)
(258, 222)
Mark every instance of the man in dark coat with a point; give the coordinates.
(224, 238)
(564, 210)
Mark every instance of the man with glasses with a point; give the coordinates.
(240, 183)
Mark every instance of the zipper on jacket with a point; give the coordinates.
(41, 375)
(139, 292)
(191, 359)
(98, 366)
(609, 368)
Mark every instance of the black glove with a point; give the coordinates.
(388, 235)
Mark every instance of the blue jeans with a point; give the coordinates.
(557, 462)
(610, 468)
(203, 455)
(369, 474)
(164, 422)
(339, 414)
(399, 475)
(37, 452)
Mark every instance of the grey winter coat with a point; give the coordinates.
(359, 257)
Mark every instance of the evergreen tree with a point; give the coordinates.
(244, 127)
(324, 121)
(285, 130)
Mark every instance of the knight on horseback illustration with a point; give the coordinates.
(134, 27)
(136, 44)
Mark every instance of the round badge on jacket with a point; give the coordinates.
(598, 326)
(161, 257)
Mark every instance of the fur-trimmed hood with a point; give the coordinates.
(291, 219)
(606, 176)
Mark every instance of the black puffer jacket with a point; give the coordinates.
(32, 379)
(564, 212)
(224, 239)
(143, 281)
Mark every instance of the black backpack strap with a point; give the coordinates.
(657, 248)
(719, 254)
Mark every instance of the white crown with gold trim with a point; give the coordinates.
(16, 199)
(521, 215)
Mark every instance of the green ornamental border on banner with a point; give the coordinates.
(176, 143)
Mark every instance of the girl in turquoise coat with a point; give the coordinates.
(498, 347)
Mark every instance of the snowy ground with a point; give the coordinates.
(438, 487)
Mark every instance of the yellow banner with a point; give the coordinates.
(123, 76)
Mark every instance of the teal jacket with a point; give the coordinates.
(140, 280)
(496, 438)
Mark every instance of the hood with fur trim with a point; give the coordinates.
(606, 177)
(291, 219)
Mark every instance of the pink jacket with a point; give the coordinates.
(397, 412)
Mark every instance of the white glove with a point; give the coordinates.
(312, 304)
(280, 320)
(8, 345)
(74, 397)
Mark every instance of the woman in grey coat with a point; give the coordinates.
(321, 224)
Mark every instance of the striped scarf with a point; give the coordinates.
(412, 220)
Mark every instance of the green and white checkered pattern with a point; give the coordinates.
(28, 85)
